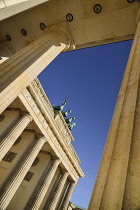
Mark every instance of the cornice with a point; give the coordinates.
(65, 127)
(58, 113)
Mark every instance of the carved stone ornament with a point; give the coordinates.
(9, 157)
(28, 176)
(63, 129)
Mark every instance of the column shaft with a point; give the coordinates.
(44, 185)
(115, 171)
(132, 187)
(22, 68)
(15, 178)
(131, 199)
(12, 136)
(68, 195)
(58, 191)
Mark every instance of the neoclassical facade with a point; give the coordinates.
(39, 166)
(32, 34)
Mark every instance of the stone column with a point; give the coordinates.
(132, 187)
(5, 53)
(22, 68)
(12, 136)
(117, 185)
(44, 185)
(15, 178)
(68, 195)
(58, 191)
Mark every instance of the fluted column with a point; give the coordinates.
(131, 199)
(68, 195)
(117, 185)
(58, 191)
(15, 178)
(7, 142)
(22, 68)
(44, 185)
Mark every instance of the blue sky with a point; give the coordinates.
(90, 80)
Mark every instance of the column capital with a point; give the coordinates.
(38, 54)
(54, 157)
(56, 160)
(64, 171)
(72, 182)
(40, 136)
(60, 29)
(27, 114)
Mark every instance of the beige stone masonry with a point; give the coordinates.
(9, 140)
(11, 2)
(21, 69)
(58, 190)
(63, 127)
(59, 119)
(68, 195)
(42, 119)
(2, 5)
(44, 185)
(132, 187)
(5, 53)
(41, 99)
(13, 7)
(118, 181)
(15, 178)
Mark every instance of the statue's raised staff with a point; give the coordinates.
(68, 120)
(60, 108)
(66, 113)
(71, 125)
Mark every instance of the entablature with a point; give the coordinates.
(43, 116)
(87, 27)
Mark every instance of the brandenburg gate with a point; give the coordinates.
(33, 33)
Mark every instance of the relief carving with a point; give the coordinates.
(63, 129)
(28, 176)
(9, 157)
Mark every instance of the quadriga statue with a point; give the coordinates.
(68, 120)
(60, 108)
(71, 125)
(66, 113)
